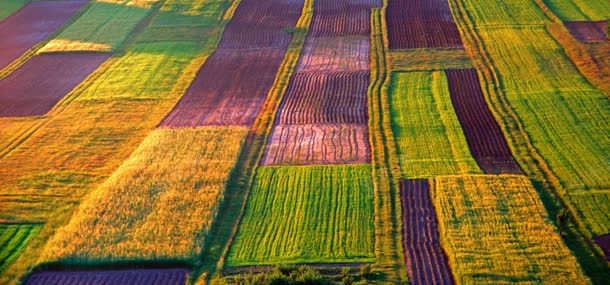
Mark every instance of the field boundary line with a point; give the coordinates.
(241, 179)
(30, 53)
(519, 141)
(384, 162)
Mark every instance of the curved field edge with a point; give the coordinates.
(575, 233)
(67, 110)
(8, 7)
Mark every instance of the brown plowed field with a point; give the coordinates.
(261, 24)
(325, 98)
(342, 18)
(317, 144)
(588, 31)
(228, 90)
(31, 24)
(338, 54)
(421, 24)
(604, 243)
(485, 138)
(139, 277)
(425, 258)
(54, 76)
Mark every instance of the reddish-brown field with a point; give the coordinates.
(335, 54)
(139, 276)
(31, 24)
(228, 90)
(421, 24)
(325, 98)
(483, 134)
(604, 243)
(262, 24)
(342, 18)
(317, 144)
(425, 258)
(588, 31)
(54, 74)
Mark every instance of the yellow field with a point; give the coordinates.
(495, 230)
(158, 205)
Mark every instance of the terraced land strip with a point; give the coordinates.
(33, 23)
(307, 214)
(496, 230)
(140, 276)
(429, 138)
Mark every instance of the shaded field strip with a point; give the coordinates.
(426, 261)
(342, 18)
(588, 31)
(55, 75)
(421, 24)
(13, 240)
(31, 24)
(233, 83)
(133, 276)
(604, 243)
(323, 268)
(318, 144)
(483, 134)
(325, 98)
(335, 54)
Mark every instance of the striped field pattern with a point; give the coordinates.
(139, 276)
(13, 239)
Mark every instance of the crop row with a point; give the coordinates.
(307, 214)
(342, 17)
(13, 240)
(421, 24)
(140, 276)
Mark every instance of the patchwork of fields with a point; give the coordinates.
(358, 141)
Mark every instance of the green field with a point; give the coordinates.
(501, 12)
(13, 240)
(307, 214)
(428, 134)
(566, 117)
(8, 7)
(103, 26)
(495, 230)
(580, 10)
(594, 208)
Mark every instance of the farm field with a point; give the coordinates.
(304, 142)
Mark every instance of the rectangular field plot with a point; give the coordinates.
(502, 12)
(103, 27)
(229, 89)
(588, 31)
(135, 276)
(421, 24)
(138, 213)
(262, 24)
(307, 214)
(336, 54)
(425, 258)
(8, 7)
(55, 76)
(483, 134)
(342, 18)
(565, 117)
(317, 144)
(580, 10)
(13, 240)
(325, 98)
(429, 59)
(594, 209)
(32, 24)
(495, 230)
(428, 135)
